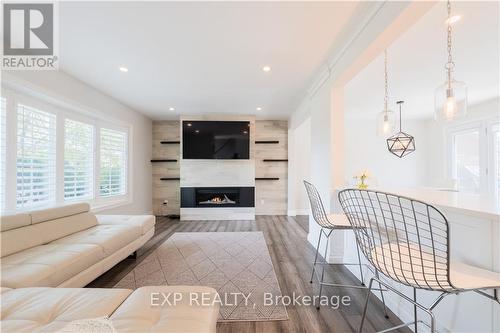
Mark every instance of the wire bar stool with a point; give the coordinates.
(329, 223)
(408, 241)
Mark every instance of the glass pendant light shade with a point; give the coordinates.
(386, 123)
(386, 119)
(450, 100)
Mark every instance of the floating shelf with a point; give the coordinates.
(275, 160)
(267, 178)
(170, 178)
(170, 142)
(154, 161)
(267, 142)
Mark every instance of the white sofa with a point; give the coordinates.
(66, 246)
(52, 309)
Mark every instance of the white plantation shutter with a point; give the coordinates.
(113, 163)
(78, 160)
(36, 157)
(3, 146)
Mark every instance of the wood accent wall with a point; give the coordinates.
(166, 189)
(271, 195)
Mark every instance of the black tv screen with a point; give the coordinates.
(221, 140)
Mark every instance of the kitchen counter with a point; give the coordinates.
(452, 201)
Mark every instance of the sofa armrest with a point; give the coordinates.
(146, 222)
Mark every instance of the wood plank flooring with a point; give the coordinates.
(292, 256)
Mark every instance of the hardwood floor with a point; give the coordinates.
(292, 256)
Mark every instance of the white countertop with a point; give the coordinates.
(470, 204)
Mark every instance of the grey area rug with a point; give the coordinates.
(230, 262)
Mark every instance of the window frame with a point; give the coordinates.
(484, 126)
(64, 110)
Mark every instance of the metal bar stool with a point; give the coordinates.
(408, 241)
(329, 223)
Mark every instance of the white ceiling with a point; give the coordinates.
(200, 57)
(416, 62)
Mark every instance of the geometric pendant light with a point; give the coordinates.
(386, 119)
(450, 98)
(401, 143)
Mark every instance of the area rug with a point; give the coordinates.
(236, 264)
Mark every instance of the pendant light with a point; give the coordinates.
(450, 99)
(386, 120)
(401, 143)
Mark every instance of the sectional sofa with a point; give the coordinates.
(53, 309)
(67, 246)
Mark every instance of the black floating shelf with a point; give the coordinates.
(275, 160)
(153, 161)
(267, 178)
(170, 142)
(170, 178)
(267, 142)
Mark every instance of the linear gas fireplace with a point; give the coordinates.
(204, 197)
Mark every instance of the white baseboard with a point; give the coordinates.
(295, 212)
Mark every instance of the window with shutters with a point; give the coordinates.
(56, 155)
(78, 160)
(36, 157)
(113, 163)
(3, 147)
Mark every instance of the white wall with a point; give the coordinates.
(66, 89)
(299, 167)
(364, 150)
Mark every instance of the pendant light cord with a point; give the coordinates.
(385, 82)
(450, 64)
(400, 103)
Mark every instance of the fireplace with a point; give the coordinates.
(201, 197)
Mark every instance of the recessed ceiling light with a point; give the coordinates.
(197, 131)
(245, 132)
(453, 19)
(266, 69)
(124, 69)
(258, 108)
(171, 109)
(189, 124)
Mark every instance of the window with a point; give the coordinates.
(475, 157)
(3, 147)
(466, 167)
(495, 131)
(36, 157)
(58, 155)
(78, 160)
(113, 163)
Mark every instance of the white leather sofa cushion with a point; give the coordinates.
(49, 214)
(110, 237)
(48, 265)
(9, 222)
(19, 239)
(146, 222)
(137, 314)
(50, 309)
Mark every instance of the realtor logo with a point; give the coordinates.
(28, 36)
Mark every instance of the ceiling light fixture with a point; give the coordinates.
(450, 99)
(266, 69)
(386, 122)
(171, 109)
(258, 108)
(401, 143)
(124, 69)
(197, 131)
(453, 19)
(189, 124)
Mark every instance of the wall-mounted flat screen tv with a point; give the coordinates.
(220, 140)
